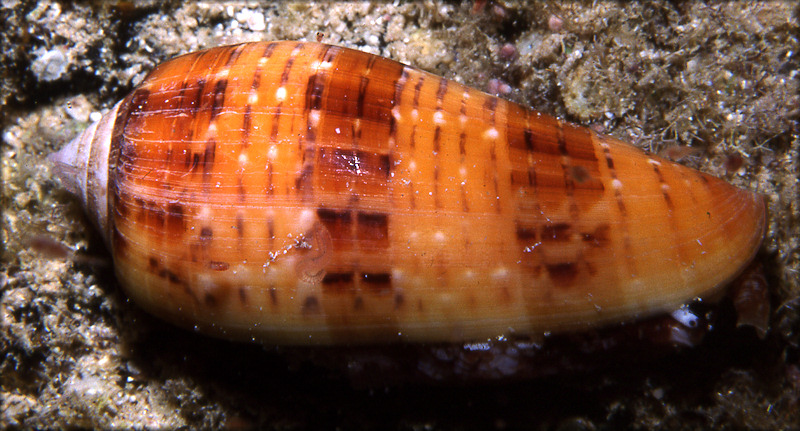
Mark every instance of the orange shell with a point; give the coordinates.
(304, 193)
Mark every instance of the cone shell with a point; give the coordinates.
(304, 193)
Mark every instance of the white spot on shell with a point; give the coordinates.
(654, 162)
(439, 236)
(500, 273)
(617, 184)
(396, 114)
(272, 153)
(463, 119)
(491, 133)
(665, 188)
(306, 220)
(252, 99)
(313, 117)
(280, 94)
(242, 158)
(211, 132)
(414, 115)
(438, 118)
(204, 213)
(463, 172)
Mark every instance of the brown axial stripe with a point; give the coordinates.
(287, 68)
(400, 85)
(239, 226)
(667, 197)
(417, 89)
(491, 107)
(362, 87)
(248, 111)
(314, 90)
(517, 135)
(218, 98)
(617, 194)
(362, 93)
(626, 240)
(193, 161)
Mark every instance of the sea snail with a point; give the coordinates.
(302, 193)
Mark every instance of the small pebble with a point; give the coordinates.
(49, 65)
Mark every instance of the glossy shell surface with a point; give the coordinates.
(303, 193)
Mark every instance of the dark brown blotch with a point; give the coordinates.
(139, 100)
(525, 233)
(377, 282)
(175, 217)
(609, 161)
(171, 276)
(311, 306)
(562, 274)
(600, 237)
(216, 265)
(399, 300)
(556, 232)
(373, 228)
(338, 223)
(273, 295)
(337, 282)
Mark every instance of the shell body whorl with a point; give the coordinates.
(305, 193)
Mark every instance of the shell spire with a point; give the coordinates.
(303, 193)
(82, 168)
